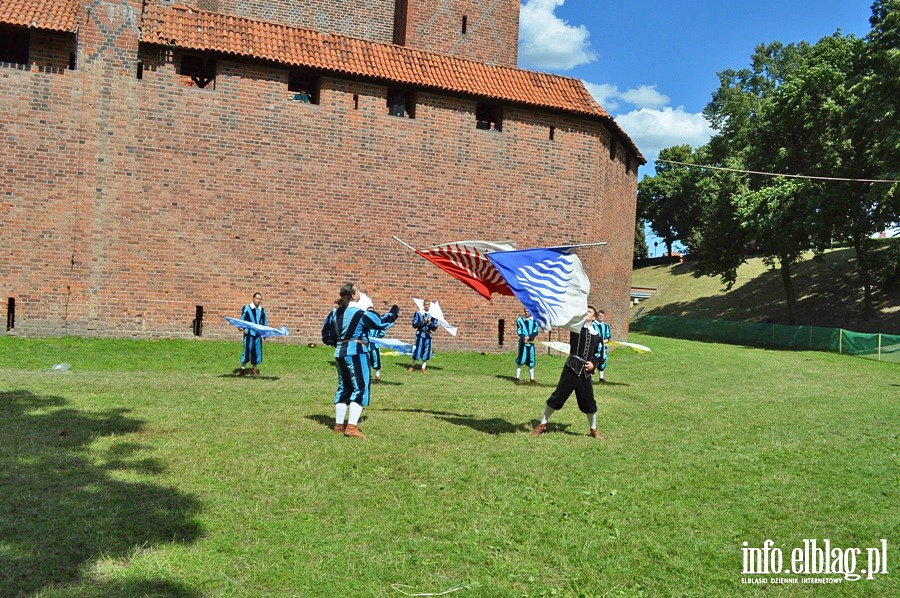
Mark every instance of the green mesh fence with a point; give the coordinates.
(884, 347)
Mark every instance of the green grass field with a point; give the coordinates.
(147, 469)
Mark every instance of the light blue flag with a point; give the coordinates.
(264, 331)
(550, 282)
(393, 345)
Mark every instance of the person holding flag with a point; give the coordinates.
(253, 312)
(346, 329)
(527, 330)
(583, 361)
(425, 326)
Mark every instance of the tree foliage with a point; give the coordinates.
(826, 110)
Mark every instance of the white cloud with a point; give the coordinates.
(642, 96)
(605, 94)
(652, 130)
(548, 42)
(645, 96)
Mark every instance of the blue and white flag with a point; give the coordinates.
(393, 345)
(550, 282)
(264, 331)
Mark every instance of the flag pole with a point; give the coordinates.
(408, 246)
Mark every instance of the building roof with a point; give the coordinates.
(58, 15)
(190, 29)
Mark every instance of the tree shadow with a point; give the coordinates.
(62, 506)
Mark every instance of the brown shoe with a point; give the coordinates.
(410, 369)
(338, 428)
(353, 431)
(539, 429)
(517, 380)
(240, 372)
(376, 380)
(254, 372)
(422, 370)
(533, 381)
(595, 433)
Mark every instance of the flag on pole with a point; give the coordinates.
(550, 282)
(467, 262)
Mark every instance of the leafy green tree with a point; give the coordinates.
(669, 200)
(640, 240)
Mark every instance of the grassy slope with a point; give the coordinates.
(827, 292)
(147, 469)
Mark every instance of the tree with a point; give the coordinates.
(640, 239)
(669, 200)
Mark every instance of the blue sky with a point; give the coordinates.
(652, 64)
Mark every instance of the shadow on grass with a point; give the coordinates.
(494, 425)
(524, 382)
(62, 508)
(248, 377)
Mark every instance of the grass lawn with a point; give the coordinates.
(147, 469)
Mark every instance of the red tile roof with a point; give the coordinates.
(228, 34)
(41, 14)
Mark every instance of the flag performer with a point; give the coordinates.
(346, 329)
(582, 362)
(425, 325)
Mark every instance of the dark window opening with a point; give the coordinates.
(501, 329)
(10, 313)
(488, 116)
(72, 61)
(401, 102)
(552, 131)
(140, 70)
(197, 324)
(14, 44)
(465, 25)
(201, 69)
(356, 101)
(305, 86)
(613, 147)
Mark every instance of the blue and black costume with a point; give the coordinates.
(253, 352)
(527, 329)
(348, 330)
(425, 325)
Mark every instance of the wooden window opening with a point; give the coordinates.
(200, 68)
(401, 102)
(488, 117)
(304, 85)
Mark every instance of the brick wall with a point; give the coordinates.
(367, 19)
(491, 29)
(126, 203)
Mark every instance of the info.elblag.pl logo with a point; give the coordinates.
(816, 562)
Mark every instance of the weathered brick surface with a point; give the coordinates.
(491, 28)
(367, 19)
(126, 203)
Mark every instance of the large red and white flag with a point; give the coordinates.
(467, 262)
